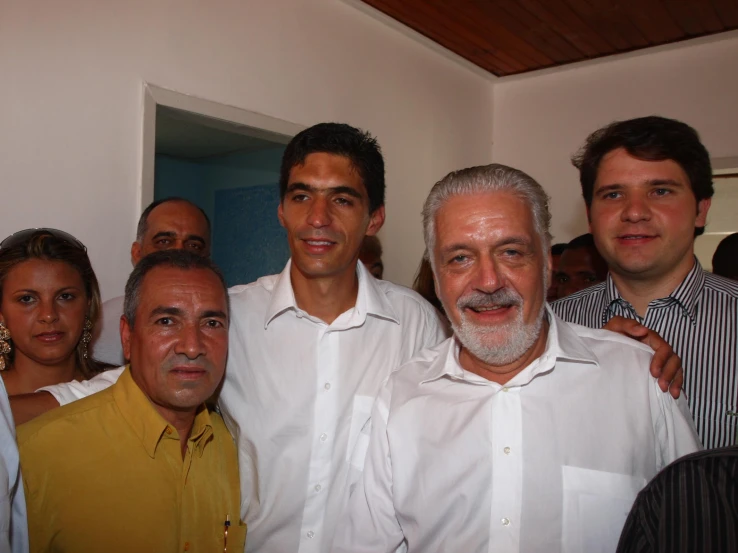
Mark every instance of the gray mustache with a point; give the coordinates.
(500, 298)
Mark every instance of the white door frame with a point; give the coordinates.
(237, 119)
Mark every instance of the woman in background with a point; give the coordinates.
(425, 285)
(49, 304)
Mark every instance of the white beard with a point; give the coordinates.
(503, 344)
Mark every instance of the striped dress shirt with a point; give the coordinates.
(691, 506)
(699, 319)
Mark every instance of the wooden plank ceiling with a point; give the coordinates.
(507, 37)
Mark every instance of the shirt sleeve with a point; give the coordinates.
(370, 524)
(67, 392)
(676, 435)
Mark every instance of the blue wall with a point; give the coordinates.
(240, 194)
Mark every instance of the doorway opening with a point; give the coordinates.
(218, 158)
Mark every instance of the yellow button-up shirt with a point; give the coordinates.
(106, 473)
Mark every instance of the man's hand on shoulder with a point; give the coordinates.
(665, 365)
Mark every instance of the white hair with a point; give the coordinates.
(484, 179)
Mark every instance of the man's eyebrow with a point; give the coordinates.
(343, 189)
(521, 240)
(213, 314)
(514, 240)
(346, 190)
(610, 188)
(164, 234)
(163, 310)
(616, 187)
(662, 182)
(195, 237)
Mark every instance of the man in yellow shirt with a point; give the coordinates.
(144, 465)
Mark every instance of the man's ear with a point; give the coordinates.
(125, 337)
(376, 220)
(280, 214)
(703, 206)
(135, 253)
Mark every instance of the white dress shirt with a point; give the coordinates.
(13, 525)
(298, 393)
(549, 462)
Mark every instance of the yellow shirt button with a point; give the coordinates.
(169, 429)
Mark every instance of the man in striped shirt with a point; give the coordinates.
(647, 185)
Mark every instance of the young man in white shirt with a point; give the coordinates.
(521, 433)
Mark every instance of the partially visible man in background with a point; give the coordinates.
(580, 267)
(556, 251)
(167, 224)
(725, 258)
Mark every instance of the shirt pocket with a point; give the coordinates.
(719, 418)
(358, 443)
(595, 506)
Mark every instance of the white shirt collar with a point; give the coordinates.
(370, 300)
(561, 343)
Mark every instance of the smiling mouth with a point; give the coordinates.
(319, 242)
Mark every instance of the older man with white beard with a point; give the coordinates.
(522, 432)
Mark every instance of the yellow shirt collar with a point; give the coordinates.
(148, 424)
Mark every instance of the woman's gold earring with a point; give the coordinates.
(86, 337)
(4, 346)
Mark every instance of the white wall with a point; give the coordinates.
(71, 104)
(541, 120)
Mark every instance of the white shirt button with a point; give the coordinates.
(327, 386)
(323, 437)
(317, 487)
(310, 534)
(507, 451)
(505, 389)
(505, 522)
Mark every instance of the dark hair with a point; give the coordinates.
(583, 241)
(344, 140)
(143, 221)
(725, 258)
(586, 241)
(651, 138)
(180, 259)
(558, 249)
(424, 284)
(48, 247)
(371, 246)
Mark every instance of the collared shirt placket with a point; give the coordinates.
(325, 421)
(506, 434)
